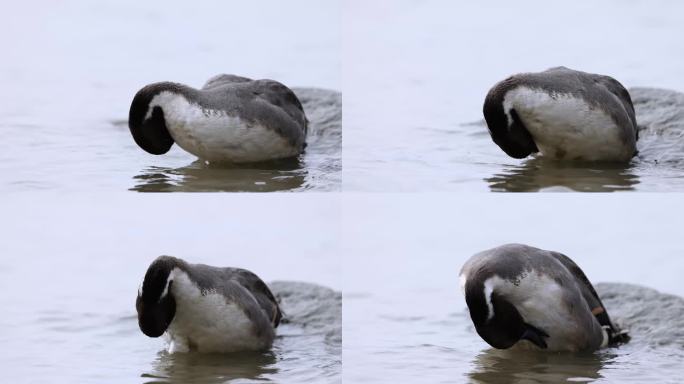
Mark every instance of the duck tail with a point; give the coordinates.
(618, 336)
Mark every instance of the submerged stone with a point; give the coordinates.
(660, 119)
(651, 317)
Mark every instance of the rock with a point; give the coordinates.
(311, 306)
(660, 117)
(652, 318)
(323, 108)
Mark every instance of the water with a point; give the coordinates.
(405, 319)
(71, 267)
(70, 79)
(413, 93)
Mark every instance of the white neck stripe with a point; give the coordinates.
(169, 279)
(488, 289)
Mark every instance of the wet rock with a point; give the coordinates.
(652, 318)
(323, 108)
(323, 154)
(660, 117)
(311, 306)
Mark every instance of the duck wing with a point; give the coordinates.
(223, 79)
(282, 97)
(263, 295)
(588, 291)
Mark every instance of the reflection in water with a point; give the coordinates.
(199, 176)
(537, 174)
(319, 167)
(509, 366)
(210, 368)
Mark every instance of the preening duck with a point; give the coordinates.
(231, 119)
(207, 309)
(564, 114)
(525, 296)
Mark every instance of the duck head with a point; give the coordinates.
(146, 121)
(497, 320)
(155, 303)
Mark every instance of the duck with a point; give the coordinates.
(231, 119)
(562, 114)
(206, 309)
(529, 298)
